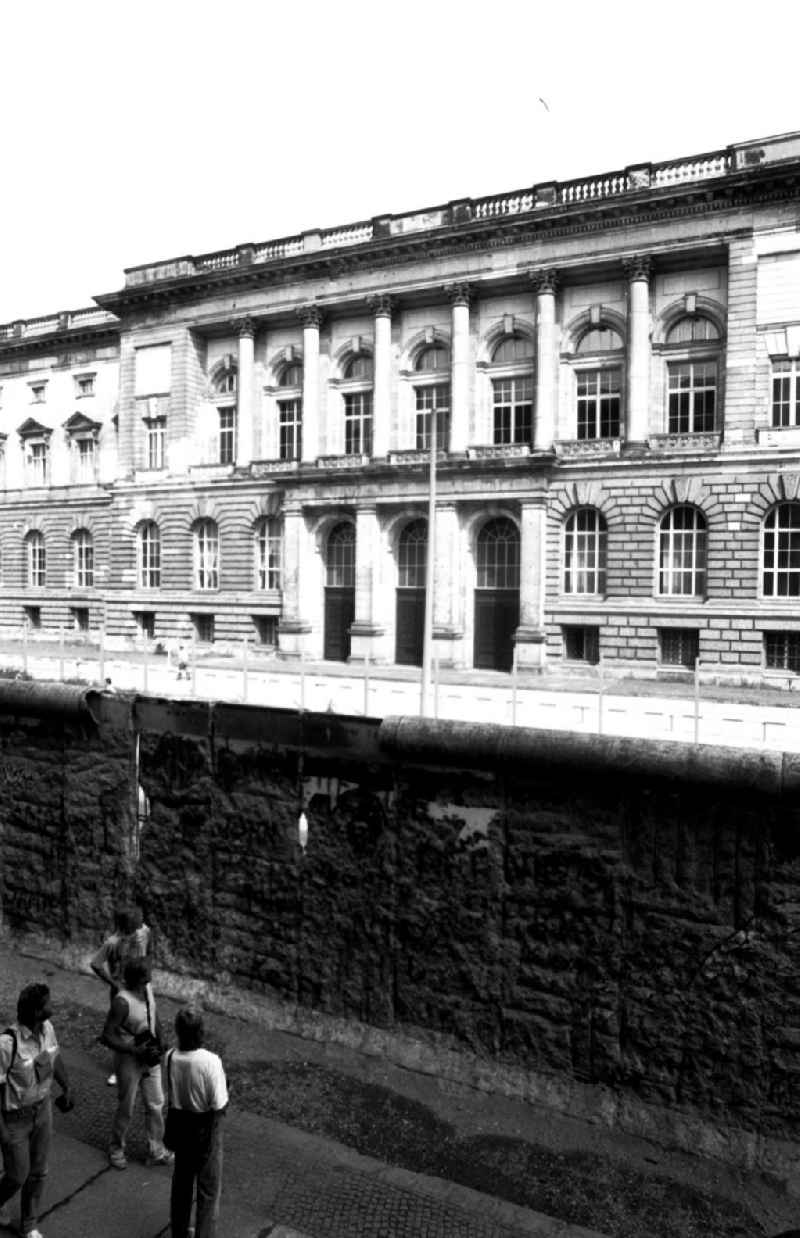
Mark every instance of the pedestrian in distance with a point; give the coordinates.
(131, 939)
(133, 1031)
(29, 1061)
(182, 658)
(197, 1094)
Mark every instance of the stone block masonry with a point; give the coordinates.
(606, 925)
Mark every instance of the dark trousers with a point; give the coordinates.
(26, 1138)
(198, 1161)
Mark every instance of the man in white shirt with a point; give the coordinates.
(198, 1097)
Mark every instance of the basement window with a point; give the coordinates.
(204, 628)
(679, 647)
(145, 624)
(266, 627)
(782, 651)
(80, 618)
(33, 617)
(581, 644)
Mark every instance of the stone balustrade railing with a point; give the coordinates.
(29, 328)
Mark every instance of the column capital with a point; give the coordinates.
(310, 315)
(639, 266)
(382, 305)
(545, 281)
(245, 327)
(459, 294)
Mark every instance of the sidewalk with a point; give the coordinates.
(279, 1182)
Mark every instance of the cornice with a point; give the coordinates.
(70, 338)
(681, 202)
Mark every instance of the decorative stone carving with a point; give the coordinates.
(381, 305)
(638, 267)
(310, 316)
(460, 294)
(246, 328)
(545, 281)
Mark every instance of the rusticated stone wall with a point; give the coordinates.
(615, 914)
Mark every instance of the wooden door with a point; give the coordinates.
(340, 609)
(410, 626)
(496, 621)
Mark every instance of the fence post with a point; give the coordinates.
(244, 669)
(366, 686)
(436, 686)
(302, 704)
(101, 658)
(193, 655)
(145, 667)
(697, 700)
(514, 687)
(25, 647)
(61, 652)
(600, 694)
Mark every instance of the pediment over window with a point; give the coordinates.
(79, 424)
(31, 428)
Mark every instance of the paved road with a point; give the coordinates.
(768, 720)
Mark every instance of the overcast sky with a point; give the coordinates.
(136, 132)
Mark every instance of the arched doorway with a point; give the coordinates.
(412, 556)
(496, 594)
(340, 591)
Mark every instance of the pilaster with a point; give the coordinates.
(294, 628)
(244, 416)
(460, 368)
(311, 318)
(448, 621)
(366, 631)
(637, 271)
(382, 374)
(530, 635)
(545, 285)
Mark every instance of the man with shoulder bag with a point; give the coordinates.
(133, 1032)
(197, 1094)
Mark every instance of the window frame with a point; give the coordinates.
(155, 442)
(268, 555)
(227, 433)
(574, 546)
(791, 550)
(694, 353)
(510, 569)
(35, 560)
(205, 555)
(431, 384)
(515, 371)
(148, 555)
(598, 362)
(670, 539)
(791, 367)
(82, 559)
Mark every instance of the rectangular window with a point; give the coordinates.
(204, 628)
(266, 628)
(678, 647)
(434, 400)
(84, 385)
(268, 556)
(358, 423)
(38, 391)
(33, 616)
(145, 623)
(581, 644)
(782, 651)
(36, 464)
(80, 618)
(513, 410)
(83, 455)
(599, 400)
(785, 393)
(227, 435)
(84, 562)
(290, 441)
(155, 428)
(692, 396)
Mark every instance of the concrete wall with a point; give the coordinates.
(620, 941)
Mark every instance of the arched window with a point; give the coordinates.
(512, 390)
(340, 560)
(598, 382)
(36, 560)
(693, 375)
(268, 554)
(290, 412)
(682, 553)
(781, 551)
(225, 391)
(82, 559)
(432, 398)
(148, 552)
(357, 395)
(412, 555)
(497, 555)
(206, 555)
(584, 556)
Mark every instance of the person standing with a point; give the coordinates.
(132, 1030)
(198, 1096)
(29, 1061)
(131, 939)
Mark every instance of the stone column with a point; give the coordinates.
(545, 285)
(244, 415)
(448, 623)
(382, 370)
(366, 630)
(459, 374)
(294, 627)
(530, 635)
(637, 271)
(311, 317)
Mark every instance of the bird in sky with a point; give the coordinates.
(544, 105)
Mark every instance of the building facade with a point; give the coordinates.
(238, 444)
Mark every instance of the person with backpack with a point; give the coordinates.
(29, 1061)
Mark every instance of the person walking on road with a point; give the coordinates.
(131, 939)
(29, 1061)
(133, 1032)
(198, 1096)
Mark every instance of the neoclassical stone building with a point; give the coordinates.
(238, 443)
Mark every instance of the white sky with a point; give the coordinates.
(131, 132)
